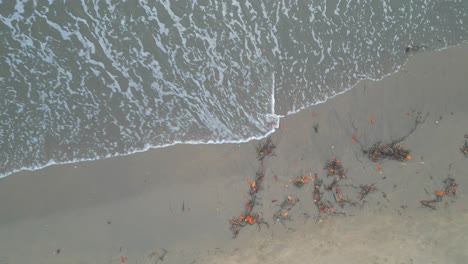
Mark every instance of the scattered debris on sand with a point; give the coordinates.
(249, 217)
(335, 167)
(393, 151)
(334, 192)
(283, 212)
(450, 186)
(365, 190)
(316, 191)
(450, 189)
(256, 185)
(243, 220)
(265, 149)
(300, 181)
(429, 203)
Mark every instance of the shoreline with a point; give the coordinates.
(180, 198)
(278, 118)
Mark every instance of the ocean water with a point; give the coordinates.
(84, 80)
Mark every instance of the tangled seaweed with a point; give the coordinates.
(393, 151)
(335, 167)
(266, 149)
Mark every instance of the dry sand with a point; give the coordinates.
(180, 198)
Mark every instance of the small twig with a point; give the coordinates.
(332, 184)
(428, 204)
(365, 190)
(316, 127)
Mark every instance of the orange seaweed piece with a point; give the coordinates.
(379, 167)
(408, 157)
(440, 193)
(372, 120)
(251, 220)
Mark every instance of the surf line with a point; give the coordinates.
(276, 118)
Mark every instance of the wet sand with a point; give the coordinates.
(180, 198)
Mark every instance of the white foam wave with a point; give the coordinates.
(152, 73)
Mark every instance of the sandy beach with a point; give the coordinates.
(172, 205)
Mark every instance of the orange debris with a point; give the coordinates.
(408, 157)
(440, 193)
(372, 120)
(251, 220)
(379, 167)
